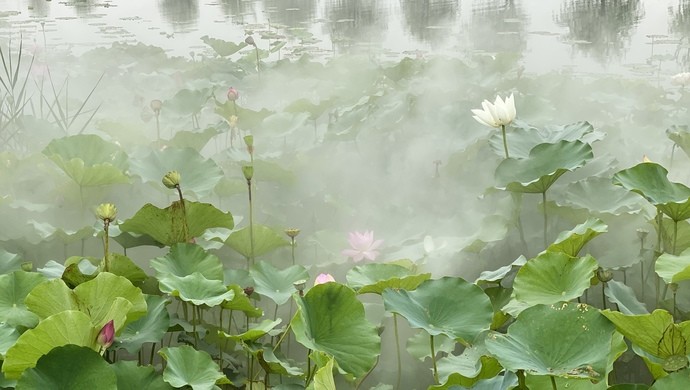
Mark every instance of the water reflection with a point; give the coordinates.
(680, 20)
(600, 28)
(179, 13)
(427, 19)
(354, 20)
(497, 26)
(292, 13)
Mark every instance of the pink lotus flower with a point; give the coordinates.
(324, 278)
(362, 246)
(106, 336)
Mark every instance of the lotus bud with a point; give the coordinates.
(106, 212)
(604, 275)
(250, 41)
(156, 106)
(249, 141)
(248, 172)
(248, 290)
(106, 336)
(172, 179)
(324, 278)
(233, 94)
(292, 232)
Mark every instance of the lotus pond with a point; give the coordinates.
(237, 220)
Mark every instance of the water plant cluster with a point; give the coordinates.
(228, 222)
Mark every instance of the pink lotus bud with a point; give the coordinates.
(106, 336)
(324, 278)
(233, 94)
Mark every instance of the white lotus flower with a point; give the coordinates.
(682, 79)
(496, 114)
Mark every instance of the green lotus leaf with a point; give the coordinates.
(277, 364)
(250, 119)
(9, 262)
(185, 259)
(8, 336)
(67, 327)
(148, 329)
(221, 47)
(624, 297)
(66, 236)
(69, 367)
(197, 289)
(240, 302)
(132, 376)
(571, 242)
(376, 277)
(500, 297)
(508, 381)
(449, 306)
(323, 379)
(474, 364)
(124, 266)
(681, 136)
(655, 333)
(88, 160)
(499, 274)
(254, 333)
(265, 240)
(167, 225)
(629, 386)
(198, 175)
(331, 320)
(14, 288)
(278, 285)
(74, 276)
(192, 139)
(545, 164)
(187, 101)
(189, 367)
(553, 277)
(675, 235)
(673, 269)
(418, 346)
(523, 137)
(544, 382)
(556, 340)
(130, 240)
(650, 180)
(597, 194)
(674, 381)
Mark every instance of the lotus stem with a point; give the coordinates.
(158, 128)
(505, 141)
(397, 348)
(106, 224)
(140, 356)
(196, 336)
(675, 309)
(517, 199)
(675, 236)
(546, 240)
(151, 355)
(251, 224)
(433, 358)
(603, 296)
(308, 378)
(660, 229)
(553, 382)
(258, 63)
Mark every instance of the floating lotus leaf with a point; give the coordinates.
(675, 381)
(278, 285)
(571, 242)
(673, 269)
(240, 302)
(88, 160)
(449, 306)
(331, 320)
(597, 194)
(14, 288)
(148, 329)
(167, 225)
(132, 376)
(69, 367)
(9, 262)
(566, 340)
(189, 367)
(8, 336)
(681, 136)
(223, 48)
(553, 277)
(197, 289)
(650, 180)
(185, 259)
(376, 277)
(545, 164)
(655, 333)
(624, 297)
(265, 241)
(199, 175)
(104, 298)
(254, 333)
(67, 327)
(523, 137)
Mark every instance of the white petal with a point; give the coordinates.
(510, 107)
(483, 117)
(428, 244)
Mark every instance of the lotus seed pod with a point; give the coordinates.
(156, 106)
(300, 284)
(250, 41)
(604, 275)
(233, 94)
(248, 172)
(675, 363)
(292, 232)
(106, 212)
(642, 233)
(171, 179)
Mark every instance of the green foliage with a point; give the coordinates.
(189, 367)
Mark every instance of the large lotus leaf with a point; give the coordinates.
(673, 269)
(330, 319)
(474, 364)
(240, 302)
(655, 333)
(566, 339)
(189, 367)
(624, 297)
(167, 225)
(508, 381)
(221, 47)
(185, 259)
(66, 236)
(254, 333)
(553, 277)
(192, 139)
(500, 273)
(198, 175)
(132, 376)
(376, 277)
(88, 159)
(276, 284)
(674, 234)
(187, 101)
(449, 306)
(544, 382)
(675, 381)
(650, 180)
(8, 336)
(147, 329)
(571, 242)
(14, 289)
(681, 136)
(197, 289)
(629, 386)
(69, 367)
(597, 194)
(265, 240)
(130, 240)
(418, 346)
(67, 327)
(545, 164)
(9, 262)
(122, 265)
